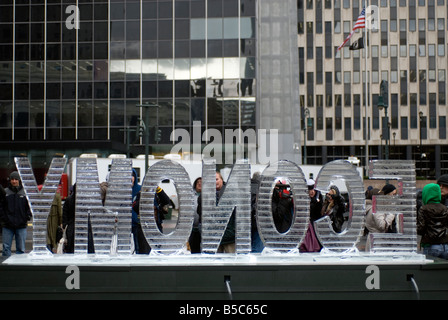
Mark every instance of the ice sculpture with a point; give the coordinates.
(404, 206)
(346, 240)
(215, 216)
(174, 242)
(118, 201)
(113, 220)
(272, 238)
(111, 223)
(40, 201)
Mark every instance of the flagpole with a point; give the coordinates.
(366, 96)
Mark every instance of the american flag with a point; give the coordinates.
(360, 23)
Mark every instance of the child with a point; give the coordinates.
(432, 222)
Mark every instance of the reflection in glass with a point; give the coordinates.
(133, 67)
(215, 112)
(117, 113)
(68, 70)
(165, 88)
(231, 88)
(231, 112)
(214, 88)
(198, 69)
(54, 71)
(37, 71)
(197, 29)
(231, 68)
(215, 68)
(149, 69)
(182, 69)
(248, 67)
(117, 69)
(182, 112)
(247, 87)
(198, 110)
(197, 88)
(248, 111)
(85, 70)
(100, 71)
(231, 28)
(182, 88)
(166, 70)
(100, 113)
(165, 112)
(85, 114)
(214, 28)
(117, 50)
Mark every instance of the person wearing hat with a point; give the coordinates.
(14, 215)
(443, 183)
(389, 189)
(334, 207)
(432, 222)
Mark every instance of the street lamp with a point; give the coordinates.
(305, 130)
(381, 105)
(420, 114)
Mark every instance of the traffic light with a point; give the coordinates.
(158, 135)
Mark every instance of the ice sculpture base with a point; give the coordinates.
(215, 260)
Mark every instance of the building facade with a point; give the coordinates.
(70, 89)
(408, 50)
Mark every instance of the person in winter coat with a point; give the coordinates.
(54, 220)
(195, 236)
(334, 207)
(256, 242)
(311, 243)
(316, 201)
(443, 183)
(14, 215)
(227, 244)
(68, 220)
(432, 222)
(282, 206)
(141, 246)
(378, 222)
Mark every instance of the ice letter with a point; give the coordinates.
(174, 242)
(403, 205)
(40, 202)
(216, 216)
(346, 240)
(272, 238)
(119, 201)
(89, 208)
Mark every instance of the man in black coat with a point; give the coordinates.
(14, 215)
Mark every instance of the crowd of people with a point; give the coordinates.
(432, 216)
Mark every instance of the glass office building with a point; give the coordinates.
(70, 90)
